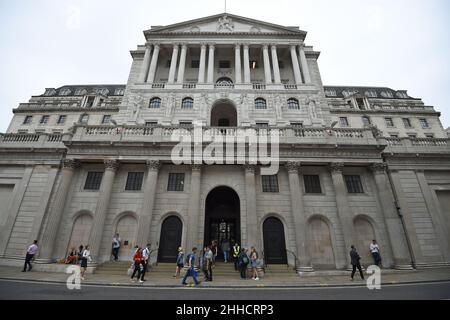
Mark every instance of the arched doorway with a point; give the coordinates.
(320, 245)
(81, 231)
(364, 233)
(274, 241)
(127, 230)
(170, 239)
(222, 217)
(223, 114)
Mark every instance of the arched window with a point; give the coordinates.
(293, 104)
(155, 103)
(260, 103)
(188, 103)
(224, 82)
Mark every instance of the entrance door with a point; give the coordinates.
(274, 242)
(170, 239)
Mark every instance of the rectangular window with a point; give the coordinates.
(406, 123)
(185, 123)
(429, 135)
(262, 124)
(176, 182)
(354, 184)
(269, 183)
(224, 64)
(90, 102)
(151, 123)
(28, 120)
(297, 125)
(84, 118)
(23, 131)
(360, 103)
(62, 119)
(394, 135)
(106, 119)
(343, 121)
(423, 123)
(134, 181)
(312, 184)
(195, 64)
(44, 119)
(412, 135)
(93, 180)
(389, 122)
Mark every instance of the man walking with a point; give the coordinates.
(31, 252)
(236, 251)
(116, 246)
(191, 258)
(207, 263)
(355, 262)
(144, 261)
(375, 251)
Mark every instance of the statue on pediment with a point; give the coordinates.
(225, 24)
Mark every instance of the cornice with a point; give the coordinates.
(59, 109)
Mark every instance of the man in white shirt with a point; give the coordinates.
(375, 251)
(116, 246)
(144, 261)
(31, 252)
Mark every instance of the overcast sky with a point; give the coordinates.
(402, 44)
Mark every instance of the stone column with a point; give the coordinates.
(295, 65)
(145, 65)
(49, 236)
(247, 79)
(276, 67)
(344, 213)
(146, 213)
(153, 64)
(211, 64)
(173, 64)
(194, 208)
(252, 219)
(182, 66)
(397, 240)
(237, 64)
(267, 72)
(304, 64)
(299, 217)
(201, 69)
(104, 196)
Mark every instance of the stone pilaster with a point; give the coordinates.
(146, 213)
(173, 64)
(194, 208)
(299, 217)
(201, 69)
(49, 236)
(153, 64)
(237, 63)
(304, 64)
(397, 239)
(247, 79)
(182, 66)
(145, 65)
(95, 239)
(252, 219)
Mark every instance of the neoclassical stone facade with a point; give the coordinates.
(80, 163)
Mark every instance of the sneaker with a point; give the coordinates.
(256, 278)
(82, 278)
(140, 281)
(132, 280)
(351, 279)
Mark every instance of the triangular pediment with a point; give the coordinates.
(225, 23)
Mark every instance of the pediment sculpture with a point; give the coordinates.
(225, 24)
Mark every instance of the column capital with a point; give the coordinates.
(111, 165)
(273, 46)
(293, 166)
(237, 45)
(148, 45)
(250, 168)
(176, 45)
(153, 165)
(336, 167)
(245, 45)
(156, 45)
(196, 167)
(203, 45)
(70, 164)
(183, 45)
(212, 46)
(378, 167)
(265, 46)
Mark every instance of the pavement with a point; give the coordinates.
(274, 280)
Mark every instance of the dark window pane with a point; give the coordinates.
(176, 182)
(195, 64)
(354, 184)
(93, 180)
(269, 183)
(312, 184)
(260, 104)
(293, 104)
(155, 103)
(134, 181)
(224, 64)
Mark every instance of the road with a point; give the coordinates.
(13, 290)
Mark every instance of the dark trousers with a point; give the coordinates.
(376, 258)
(236, 260)
(137, 268)
(243, 269)
(359, 269)
(28, 259)
(144, 266)
(115, 253)
(208, 272)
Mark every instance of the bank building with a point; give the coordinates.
(81, 162)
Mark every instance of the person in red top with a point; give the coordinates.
(137, 258)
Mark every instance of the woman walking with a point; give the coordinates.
(254, 263)
(354, 256)
(180, 262)
(137, 258)
(85, 256)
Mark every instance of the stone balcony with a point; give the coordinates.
(418, 145)
(32, 140)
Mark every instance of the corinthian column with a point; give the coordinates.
(304, 64)
(201, 69)
(153, 64)
(295, 65)
(146, 213)
(211, 64)
(237, 62)
(173, 64)
(299, 217)
(48, 243)
(145, 65)
(276, 67)
(246, 65)
(194, 207)
(95, 240)
(267, 72)
(182, 67)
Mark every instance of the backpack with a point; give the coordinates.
(245, 259)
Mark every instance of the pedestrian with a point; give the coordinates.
(207, 263)
(236, 251)
(355, 262)
(31, 252)
(72, 257)
(80, 253)
(116, 243)
(191, 258)
(180, 262)
(85, 256)
(137, 258)
(145, 260)
(214, 249)
(375, 251)
(225, 249)
(254, 263)
(243, 263)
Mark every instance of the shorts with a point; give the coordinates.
(254, 264)
(84, 263)
(180, 265)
